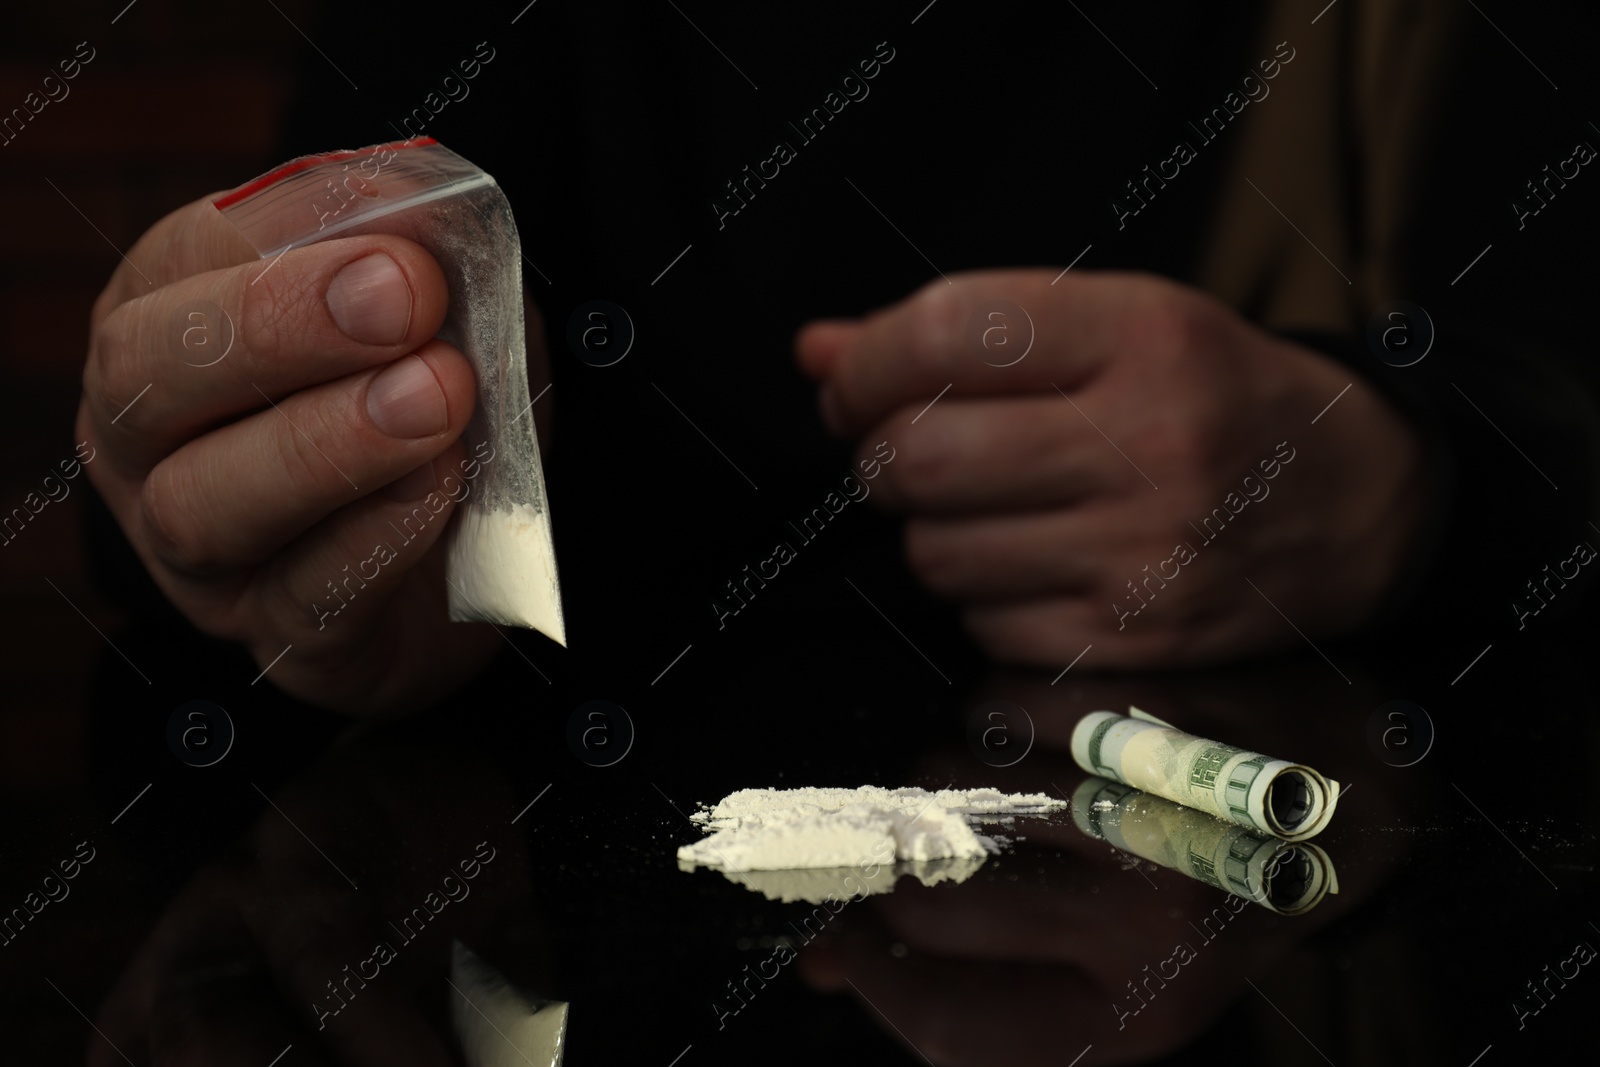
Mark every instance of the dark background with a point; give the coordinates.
(992, 139)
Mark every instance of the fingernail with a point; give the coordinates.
(370, 301)
(413, 485)
(832, 412)
(406, 401)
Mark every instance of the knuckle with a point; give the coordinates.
(170, 526)
(106, 370)
(935, 322)
(1192, 436)
(274, 305)
(98, 474)
(927, 554)
(104, 305)
(1174, 328)
(928, 464)
(307, 439)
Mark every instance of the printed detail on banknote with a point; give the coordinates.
(1271, 796)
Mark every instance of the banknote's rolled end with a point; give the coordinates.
(1287, 800)
(1299, 802)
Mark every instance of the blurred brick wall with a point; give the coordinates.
(180, 99)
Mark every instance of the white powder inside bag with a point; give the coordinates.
(779, 829)
(502, 568)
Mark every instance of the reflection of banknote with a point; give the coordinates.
(1271, 796)
(1286, 878)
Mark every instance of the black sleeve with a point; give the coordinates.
(1511, 446)
(1497, 248)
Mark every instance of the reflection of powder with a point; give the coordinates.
(778, 829)
(503, 569)
(500, 1025)
(818, 885)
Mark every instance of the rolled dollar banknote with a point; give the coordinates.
(1279, 875)
(1271, 796)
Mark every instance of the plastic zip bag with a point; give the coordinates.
(501, 565)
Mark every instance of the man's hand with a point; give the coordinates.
(1126, 481)
(257, 485)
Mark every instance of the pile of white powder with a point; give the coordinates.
(781, 829)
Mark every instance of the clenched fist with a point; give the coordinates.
(1119, 461)
(254, 480)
